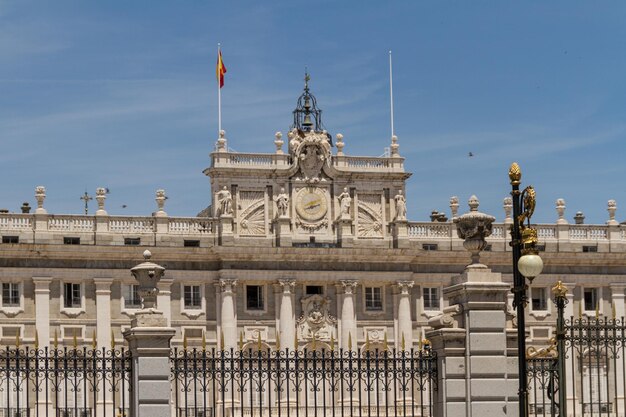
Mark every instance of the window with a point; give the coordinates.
(72, 295)
(590, 298)
(192, 297)
(373, 298)
(314, 290)
(590, 248)
(539, 299)
(488, 248)
(254, 297)
(10, 239)
(430, 246)
(191, 243)
(131, 296)
(71, 241)
(10, 294)
(132, 241)
(431, 298)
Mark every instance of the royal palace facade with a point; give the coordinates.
(303, 245)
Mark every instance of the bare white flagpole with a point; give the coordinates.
(391, 93)
(219, 94)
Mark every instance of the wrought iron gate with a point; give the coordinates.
(583, 372)
(303, 383)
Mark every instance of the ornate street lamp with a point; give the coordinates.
(526, 263)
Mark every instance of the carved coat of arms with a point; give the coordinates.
(316, 321)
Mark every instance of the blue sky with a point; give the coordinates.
(123, 95)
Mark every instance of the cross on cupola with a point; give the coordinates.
(307, 117)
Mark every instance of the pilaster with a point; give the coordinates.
(345, 236)
(282, 230)
(228, 316)
(226, 236)
(42, 309)
(400, 234)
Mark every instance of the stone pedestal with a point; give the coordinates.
(400, 234)
(150, 348)
(345, 237)
(226, 237)
(477, 378)
(282, 230)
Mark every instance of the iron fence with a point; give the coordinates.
(63, 382)
(302, 383)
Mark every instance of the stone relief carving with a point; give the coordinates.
(311, 151)
(252, 213)
(370, 215)
(316, 321)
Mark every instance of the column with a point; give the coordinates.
(42, 327)
(287, 314)
(617, 299)
(348, 316)
(570, 365)
(164, 298)
(42, 309)
(405, 324)
(103, 335)
(228, 314)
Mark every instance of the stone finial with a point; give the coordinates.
(611, 208)
(279, 142)
(25, 208)
(579, 218)
(221, 142)
(101, 195)
(454, 206)
(507, 205)
(394, 146)
(560, 210)
(40, 196)
(160, 200)
(474, 227)
(340, 144)
(148, 275)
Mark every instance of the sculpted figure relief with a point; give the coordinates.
(282, 202)
(225, 201)
(400, 206)
(344, 202)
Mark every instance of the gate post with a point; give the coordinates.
(560, 299)
(149, 343)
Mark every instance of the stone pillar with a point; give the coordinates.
(405, 324)
(344, 232)
(400, 234)
(42, 309)
(287, 314)
(103, 312)
(149, 343)
(42, 327)
(228, 314)
(348, 316)
(573, 406)
(617, 299)
(164, 298)
(282, 229)
(103, 334)
(476, 377)
(226, 236)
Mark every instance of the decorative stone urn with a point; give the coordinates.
(474, 227)
(148, 274)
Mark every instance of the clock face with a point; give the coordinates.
(311, 204)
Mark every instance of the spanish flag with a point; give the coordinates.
(221, 69)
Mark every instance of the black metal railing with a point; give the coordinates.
(543, 384)
(63, 382)
(319, 383)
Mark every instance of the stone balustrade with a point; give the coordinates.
(172, 231)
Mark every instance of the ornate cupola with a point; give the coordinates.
(307, 117)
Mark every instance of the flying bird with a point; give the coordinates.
(470, 154)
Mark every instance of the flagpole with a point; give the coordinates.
(391, 93)
(219, 97)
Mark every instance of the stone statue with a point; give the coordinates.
(400, 206)
(282, 202)
(344, 203)
(225, 201)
